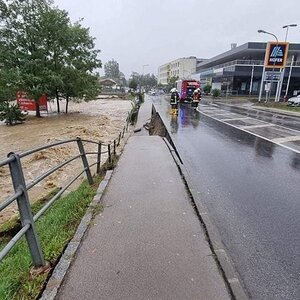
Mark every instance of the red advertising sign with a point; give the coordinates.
(29, 104)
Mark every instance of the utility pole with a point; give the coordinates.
(283, 70)
(251, 80)
(271, 82)
(289, 78)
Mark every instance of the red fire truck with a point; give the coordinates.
(186, 88)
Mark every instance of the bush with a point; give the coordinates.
(216, 93)
(207, 89)
(11, 114)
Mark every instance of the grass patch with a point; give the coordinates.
(130, 97)
(55, 229)
(10, 227)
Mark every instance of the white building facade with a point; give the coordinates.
(183, 68)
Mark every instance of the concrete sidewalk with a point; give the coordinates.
(148, 242)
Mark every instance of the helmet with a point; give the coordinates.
(173, 90)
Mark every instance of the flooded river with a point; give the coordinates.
(99, 120)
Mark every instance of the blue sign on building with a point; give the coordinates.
(276, 55)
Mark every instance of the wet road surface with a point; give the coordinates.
(251, 188)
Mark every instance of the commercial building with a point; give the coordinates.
(239, 70)
(182, 68)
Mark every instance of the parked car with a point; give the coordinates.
(294, 101)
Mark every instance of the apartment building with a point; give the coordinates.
(182, 68)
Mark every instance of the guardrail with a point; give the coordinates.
(21, 187)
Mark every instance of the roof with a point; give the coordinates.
(107, 81)
(250, 50)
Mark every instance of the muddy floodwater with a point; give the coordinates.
(98, 120)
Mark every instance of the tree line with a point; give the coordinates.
(43, 52)
(112, 70)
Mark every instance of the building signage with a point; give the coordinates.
(276, 54)
(272, 76)
(29, 104)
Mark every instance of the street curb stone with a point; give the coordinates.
(227, 267)
(63, 265)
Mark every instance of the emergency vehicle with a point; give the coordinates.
(186, 89)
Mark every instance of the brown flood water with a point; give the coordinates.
(99, 120)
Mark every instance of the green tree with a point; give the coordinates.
(122, 80)
(78, 79)
(147, 81)
(8, 84)
(171, 82)
(216, 93)
(39, 43)
(79, 85)
(23, 45)
(133, 84)
(11, 114)
(111, 69)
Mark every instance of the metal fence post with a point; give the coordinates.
(99, 157)
(119, 138)
(84, 160)
(25, 211)
(114, 147)
(109, 153)
(128, 121)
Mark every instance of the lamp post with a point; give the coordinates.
(271, 82)
(292, 61)
(287, 29)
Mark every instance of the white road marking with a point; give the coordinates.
(256, 126)
(236, 119)
(252, 133)
(286, 139)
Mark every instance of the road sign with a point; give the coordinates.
(272, 76)
(267, 86)
(276, 54)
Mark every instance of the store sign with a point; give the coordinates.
(29, 104)
(272, 76)
(276, 54)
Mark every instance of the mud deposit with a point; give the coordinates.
(99, 120)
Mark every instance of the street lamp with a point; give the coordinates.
(287, 29)
(292, 61)
(271, 82)
(266, 32)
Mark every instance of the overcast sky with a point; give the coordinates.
(154, 32)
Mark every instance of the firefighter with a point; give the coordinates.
(196, 98)
(174, 101)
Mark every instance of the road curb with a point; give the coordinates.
(278, 111)
(61, 269)
(225, 264)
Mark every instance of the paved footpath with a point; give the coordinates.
(148, 242)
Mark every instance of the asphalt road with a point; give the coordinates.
(251, 188)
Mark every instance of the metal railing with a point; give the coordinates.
(21, 188)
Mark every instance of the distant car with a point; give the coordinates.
(294, 101)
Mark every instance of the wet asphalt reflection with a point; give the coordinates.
(251, 188)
